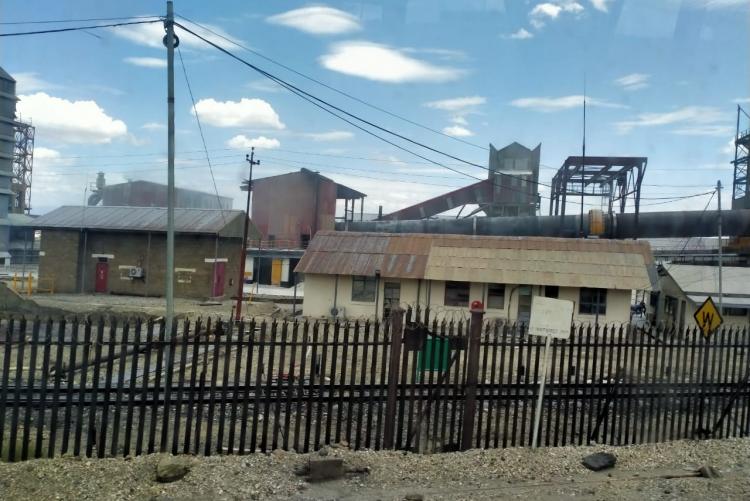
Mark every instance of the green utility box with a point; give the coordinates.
(435, 355)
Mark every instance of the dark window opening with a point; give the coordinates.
(593, 302)
(734, 312)
(496, 296)
(456, 294)
(363, 288)
(670, 307)
(271, 241)
(304, 240)
(552, 291)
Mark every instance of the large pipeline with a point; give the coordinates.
(647, 225)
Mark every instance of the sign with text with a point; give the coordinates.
(708, 317)
(551, 317)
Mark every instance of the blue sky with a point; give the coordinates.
(663, 79)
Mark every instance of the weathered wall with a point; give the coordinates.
(64, 251)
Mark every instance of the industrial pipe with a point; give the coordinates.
(674, 224)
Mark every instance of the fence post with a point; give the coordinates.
(397, 328)
(472, 370)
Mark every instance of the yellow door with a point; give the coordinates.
(276, 272)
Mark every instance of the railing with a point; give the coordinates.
(108, 388)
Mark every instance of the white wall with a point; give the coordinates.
(319, 299)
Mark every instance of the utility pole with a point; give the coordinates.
(170, 40)
(721, 291)
(243, 255)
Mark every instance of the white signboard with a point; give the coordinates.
(550, 317)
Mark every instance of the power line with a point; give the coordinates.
(76, 28)
(329, 87)
(90, 19)
(203, 138)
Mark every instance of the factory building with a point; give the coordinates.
(287, 211)
(120, 250)
(364, 275)
(149, 194)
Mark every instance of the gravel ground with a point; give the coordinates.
(556, 473)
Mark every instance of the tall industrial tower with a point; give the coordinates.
(7, 144)
(23, 164)
(740, 192)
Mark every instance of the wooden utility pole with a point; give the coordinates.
(243, 254)
(171, 42)
(472, 374)
(721, 257)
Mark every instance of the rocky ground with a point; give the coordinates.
(655, 471)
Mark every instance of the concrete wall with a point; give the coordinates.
(321, 292)
(290, 205)
(67, 260)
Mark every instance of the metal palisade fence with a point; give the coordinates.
(102, 388)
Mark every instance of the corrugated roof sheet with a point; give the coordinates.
(612, 264)
(212, 221)
(704, 280)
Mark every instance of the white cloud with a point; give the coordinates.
(549, 104)
(457, 131)
(334, 135)
(252, 113)
(741, 100)
(147, 62)
(600, 5)
(458, 119)
(633, 81)
(549, 11)
(720, 4)
(153, 126)
(29, 82)
(456, 103)
(241, 141)
(70, 121)
(42, 153)
(729, 148)
(384, 64)
(264, 85)
(445, 54)
(151, 35)
(704, 130)
(688, 116)
(521, 34)
(318, 20)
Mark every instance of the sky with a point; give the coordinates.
(662, 79)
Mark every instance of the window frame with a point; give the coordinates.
(501, 296)
(556, 288)
(451, 285)
(592, 306)
(364, 295)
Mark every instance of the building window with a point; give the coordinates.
(552, 291)
(593, 302)
(496, 296)
(456, 294)
(734, 312)
(670, 307)
(305, 240)
(363, 289)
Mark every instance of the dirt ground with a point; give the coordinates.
(152, 306)
(653, 471)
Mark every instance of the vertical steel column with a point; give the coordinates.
(472, 373)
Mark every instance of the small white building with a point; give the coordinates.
(683, 288)
(363, 275)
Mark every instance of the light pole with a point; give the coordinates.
(248, 186)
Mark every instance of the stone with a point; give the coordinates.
(323, 451)
(325, 469)
(413, 497)
(707, 471)
(171, 469)
(599, 461)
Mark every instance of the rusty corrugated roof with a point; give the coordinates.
(613, 264)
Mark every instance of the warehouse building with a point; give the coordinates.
(121, 250)
(684, 287)
(364, 275)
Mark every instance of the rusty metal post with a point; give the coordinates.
(397, 330)
(472, 373)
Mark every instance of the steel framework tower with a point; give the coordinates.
(740, 194)
(23, 164)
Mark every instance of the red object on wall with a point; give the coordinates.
(102, 270)
(218, 282)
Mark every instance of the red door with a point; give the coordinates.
(102, 270)
(218, 284)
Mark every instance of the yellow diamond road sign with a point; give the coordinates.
(708, 317)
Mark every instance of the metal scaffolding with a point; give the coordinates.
(23, 165)
(740, 195)
(614, 179)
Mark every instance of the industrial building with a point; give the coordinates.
(683, 288)
(364, 275)
(149, 194)
(120, 250)
(287, 211)
(511, 188)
